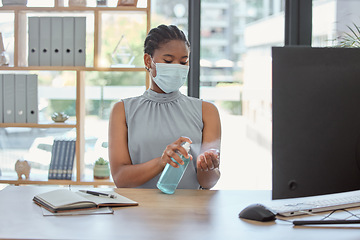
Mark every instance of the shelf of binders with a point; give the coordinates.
(44, 181)
(20, 16)
(73, 9)
(20, 34)
(73, 68)
(38, 125)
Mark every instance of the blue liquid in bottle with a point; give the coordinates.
(170, 177)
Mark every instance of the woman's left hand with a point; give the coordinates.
(208, 160)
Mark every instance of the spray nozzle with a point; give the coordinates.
(186, 145)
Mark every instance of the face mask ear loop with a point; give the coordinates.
(151, 67)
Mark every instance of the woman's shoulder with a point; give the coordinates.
(119, 104)
(118, 108)
(209, 108)
(208, 105)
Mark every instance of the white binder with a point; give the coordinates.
(44, 41)
(9, 98)
(32, 110)
(68, 41)
(1, 100)
(56, 41)
(34, 34)
(20, 98)
(80, 41)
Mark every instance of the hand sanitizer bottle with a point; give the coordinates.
(170, 177)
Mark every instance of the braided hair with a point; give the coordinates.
(163, 34)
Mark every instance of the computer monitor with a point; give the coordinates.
(316, 121)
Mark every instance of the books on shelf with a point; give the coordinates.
(62, 159)
(63, 200)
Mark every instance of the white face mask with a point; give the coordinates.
(170, 77)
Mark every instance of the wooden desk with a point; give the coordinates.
(188, 214)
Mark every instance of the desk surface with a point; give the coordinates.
(188, 214)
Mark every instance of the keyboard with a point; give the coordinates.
(321, 203)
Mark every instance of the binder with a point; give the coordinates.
(44, 59)
(34, 33)
(1, 99)
(9, 98)
(80, 41)
(32, 110)
(68, 41)
(56, 41)
(20, 98)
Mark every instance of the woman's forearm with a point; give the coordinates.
(136, 175)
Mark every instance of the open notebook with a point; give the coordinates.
(62, 200)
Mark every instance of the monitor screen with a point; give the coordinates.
(316, 121)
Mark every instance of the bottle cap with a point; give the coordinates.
(186, 145)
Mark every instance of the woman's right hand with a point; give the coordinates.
(172, 150)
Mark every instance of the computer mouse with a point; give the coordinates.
(257, 212)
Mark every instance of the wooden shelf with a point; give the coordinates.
(42, 179)
(71, 68)
(71, 9)
(20, 64)
(38, 125)
(56, 182)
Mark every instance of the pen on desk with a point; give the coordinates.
(98, 193)
(317, 222)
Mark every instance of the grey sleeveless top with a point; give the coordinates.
(154, 120)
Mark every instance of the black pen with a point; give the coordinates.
(98, 193)
(317, 222)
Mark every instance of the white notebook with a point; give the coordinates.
(62, 200)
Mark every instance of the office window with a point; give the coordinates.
(122, 45)
(235, 74)
(170, 12)
(332, 19)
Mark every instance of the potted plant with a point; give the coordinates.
(101, 169)
(352, 39)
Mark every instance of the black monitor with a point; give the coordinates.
(316, 121)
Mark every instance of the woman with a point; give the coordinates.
(145, 132)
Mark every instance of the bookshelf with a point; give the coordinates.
(20, 64)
